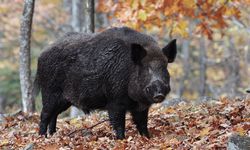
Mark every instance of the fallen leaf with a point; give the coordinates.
(204, 132)
(4, 142)
(240, 130)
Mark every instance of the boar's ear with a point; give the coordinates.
(170, 51)
(137, 52)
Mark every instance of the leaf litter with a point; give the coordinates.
(184, 126)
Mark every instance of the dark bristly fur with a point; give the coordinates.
(118, 70)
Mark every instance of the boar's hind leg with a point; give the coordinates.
(45, 118)
(140, 118)
(50, 101)
(62, 106)
(117, 120)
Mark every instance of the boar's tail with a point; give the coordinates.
(36, 86)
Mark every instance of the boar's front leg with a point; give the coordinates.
(117, 120)
(140, 118)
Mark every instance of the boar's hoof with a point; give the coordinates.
(120, 136)
(43, 130)
(145, 133)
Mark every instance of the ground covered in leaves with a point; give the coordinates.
(183, 126)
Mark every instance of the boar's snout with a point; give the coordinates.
(158, 98)
(157, 91)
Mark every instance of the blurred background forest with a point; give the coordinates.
(212, 36)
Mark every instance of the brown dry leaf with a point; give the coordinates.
(176, 127)
(76, 122)
(224, 125)
(170, 110)
(120, 145)
(204, 132)
(240, 130)
(51, 147)
(130, 138)
(4, 142)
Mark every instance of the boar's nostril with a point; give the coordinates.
(159, 98)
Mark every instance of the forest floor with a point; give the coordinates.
(184, 126)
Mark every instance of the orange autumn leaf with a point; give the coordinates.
(240, 130)
(204, 132)
(180, 126)
(140, 14)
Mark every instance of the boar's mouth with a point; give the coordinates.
(158, 98)
(157, 95)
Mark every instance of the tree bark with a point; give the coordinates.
(186, 66)
(76, 15)
(89, 16)
(67, 5)
(83, 19)
(24, 56)
(234, 71)
(203, 67)
(2, 104)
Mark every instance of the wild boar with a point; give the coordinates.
(119, 70)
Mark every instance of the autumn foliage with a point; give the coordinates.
(174, 15)
(184, 126)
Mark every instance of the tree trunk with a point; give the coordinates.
(89, 16)
(248, 56)
(2, 104)
(24, 56)
(203, 67)
(67, 5)
(76, 15)
(234, 69)
(186, 66)
(82, 21)
(74, 112)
